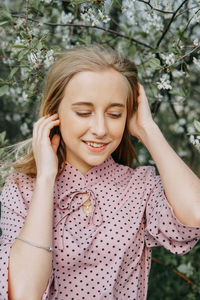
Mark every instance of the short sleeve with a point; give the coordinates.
(15, 199)
(162, 226)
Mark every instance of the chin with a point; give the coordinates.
(97, 160)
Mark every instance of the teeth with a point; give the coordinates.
(95, 145)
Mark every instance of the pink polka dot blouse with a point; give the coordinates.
(106, 255)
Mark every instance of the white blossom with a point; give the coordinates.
(35, 59)
(19, 23)
(16, 117)
(152, 22)
(94, 16)
(186, 269)
(177, 128)
(197, 17)
(90, 16)
(66, 18)
(24, 129)
(164, 83)
(23, 97)
(177, 73)
(169, 59)
(195, 141)
(196, 42)
(159, 97)
(15, 92)
(8, 117)
(107, 5)
(19, 41)
(128, 8)
(24, 72)
(182, 121)
(196, 62)
(49, 59)
(103, 18)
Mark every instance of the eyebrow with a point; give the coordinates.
(91, 104)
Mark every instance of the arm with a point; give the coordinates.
(30, 267)
(181, 185)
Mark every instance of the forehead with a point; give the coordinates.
(103, 85)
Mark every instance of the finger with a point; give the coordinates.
(44, 133)
(36, 127)
(46, 122)
(142, 95)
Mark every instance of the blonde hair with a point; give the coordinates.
(73, 61)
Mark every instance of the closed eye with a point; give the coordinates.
(116, 115)
(85, 114)
(82, 114)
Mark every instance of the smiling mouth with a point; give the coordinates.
(95, 144)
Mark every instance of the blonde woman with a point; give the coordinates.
(78, 221)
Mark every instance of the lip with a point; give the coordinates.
(93, 149)
(95, 142)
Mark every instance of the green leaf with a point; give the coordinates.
(3, 22)
(44, 37)
(20, 46)
(12, 73)
(2, 137)
(37, 44)
(2, 81)
(197, 125)
(24, 35)
(77, 2)
(3, 90)
(153, 63)
(193, 133)
(22, 54)
(5, 15)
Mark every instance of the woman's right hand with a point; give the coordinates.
(44, 149)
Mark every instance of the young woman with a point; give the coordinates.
(78, 222)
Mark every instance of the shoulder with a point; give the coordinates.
(143, 175)
(17, 191)
(20, 180)
(143, 172)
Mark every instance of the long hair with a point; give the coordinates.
(71, 62)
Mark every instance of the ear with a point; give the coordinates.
(55, 142)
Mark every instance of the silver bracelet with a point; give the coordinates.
(50, 249)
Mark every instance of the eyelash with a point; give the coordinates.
(86, 114)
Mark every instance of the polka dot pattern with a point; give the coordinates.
(106, 255)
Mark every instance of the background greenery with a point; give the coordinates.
(162, 37)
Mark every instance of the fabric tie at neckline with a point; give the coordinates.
(70, 202)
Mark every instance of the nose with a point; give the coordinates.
(99, 126)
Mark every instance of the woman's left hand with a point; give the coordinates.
(142, 119)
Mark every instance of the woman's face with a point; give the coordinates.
(93, 116)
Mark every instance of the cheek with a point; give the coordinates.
(71, 126)
(117, 129)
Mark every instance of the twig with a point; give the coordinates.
(186, 27)
(193, 51)
(186, 10)
(90, 26)
(169, 24)
(174, 270)
(156, 9)
(26, 12)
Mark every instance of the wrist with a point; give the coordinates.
(149, 131)
(43, 179)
